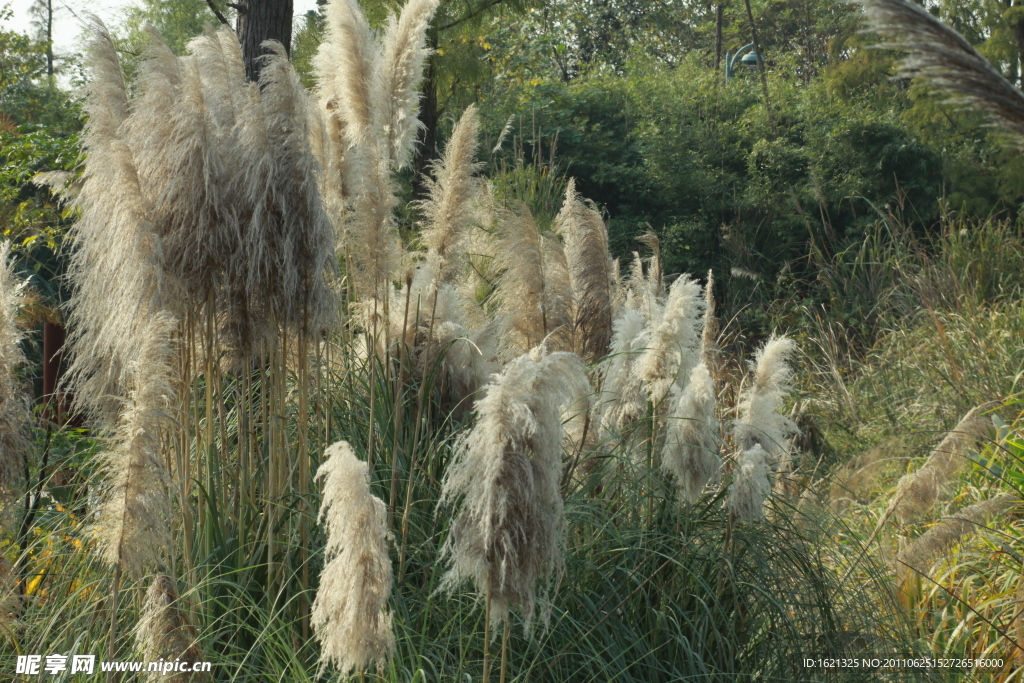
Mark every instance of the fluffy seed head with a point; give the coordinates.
(449, 209)
(590, 276)
(917, 492)
(922, 552)
(165, 632)
(401, 69)
(507, 535)
(761, 421)
(533, 291)
(623, 393)
(132, 523)
(945, 60)
(14, 407)
(350, 616)
(347, 64)
(674, 343)
(751, 485)
(691, 451)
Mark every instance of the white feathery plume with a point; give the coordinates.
(370, 228)
(350, 55)
(132, 523)
(300, 234)
(751, 485)
(287, 247)
(222, 70)
(590, 277)
(107, 94)
(181, 170)
(14, 404)
(349, 615)
(164, 632)
(691, 450)
(114, 266)
(945, 60)
(442, 319)
(760, 421)
(624, 394)
(401, 70)
(674, 343)
(508, 533)
(449, 209)
(532, 291)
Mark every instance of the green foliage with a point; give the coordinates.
(178, 21)
(38, 132)
(305, 43)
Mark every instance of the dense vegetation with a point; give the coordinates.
(538, 448)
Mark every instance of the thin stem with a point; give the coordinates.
(399, 405)
(417, 430)
(487, 631)
(371, 355)
(112, 633)
(504, 652)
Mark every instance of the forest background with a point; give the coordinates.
(630, 99)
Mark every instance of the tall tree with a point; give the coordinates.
(260, 21)
(42, 20)
(450, 36)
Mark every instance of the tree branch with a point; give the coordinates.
(220, 17)
(472, 15)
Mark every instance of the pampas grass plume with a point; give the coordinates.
(14, 406)
(164, 632)
(751, 485)
(674, 343)
(449, 209)
(401, 69)
(132, 523)
(761, 421)
(691, 450)
(917, 492)
(945, 60)
(507, 536)
(349, 615)
(590, 277)
(350, 56)
(532, 291)
(922, 552)
(624, 394)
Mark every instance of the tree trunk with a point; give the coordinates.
(429, 115)
(1018, 38)
(259, 21)
(49, 40)
(719, 11)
